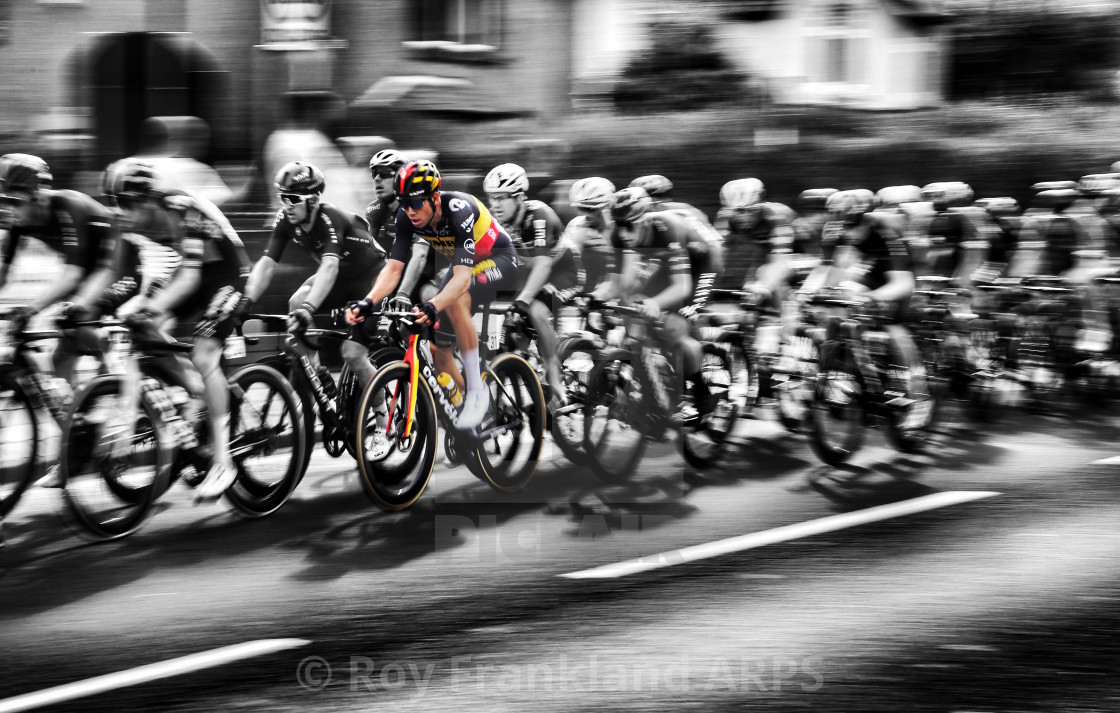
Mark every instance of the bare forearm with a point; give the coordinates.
(414, 270)
(260, 278)
(386, 281)
(325, 278)
(538, 277)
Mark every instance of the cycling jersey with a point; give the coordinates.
(1062, 236)
(382, 219)
(881, 247)
(664, 252)
(749, 248)
(596, 254)
(466, 233)
(79, 228)
(567, 277)
(333, 232)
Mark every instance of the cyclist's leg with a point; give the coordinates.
(217, 297)
(542, 317)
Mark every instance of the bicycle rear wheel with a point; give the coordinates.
(702, 439)
(395, 468)
(267, 440)
(613, 417)
(836, 416)
(508, 460)
(19, 444)
(110, 487)
(576, 357)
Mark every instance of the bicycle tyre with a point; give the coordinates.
(523, 385)
(19, 475)
(567, 429)
(256, 430)
(133, 502)
(611, 385)
(702, 442)
(837, 364)
(383, 405)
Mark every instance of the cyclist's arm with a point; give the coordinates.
(415, 268)
(186, 280)
(538, 277)
(679, 291)
(900, 286)
(386, 281)
(59, 288)
(10, 242)
(325, 278)
(260, 278)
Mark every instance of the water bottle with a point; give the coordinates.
(448, 384)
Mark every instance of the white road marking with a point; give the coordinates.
(1114, 460)
(781, 534)
(151, 672)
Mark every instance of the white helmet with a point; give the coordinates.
(947, 194)
(593, 192)
(741, 193)
(894, 196)
(1097, 184)
(506, 178)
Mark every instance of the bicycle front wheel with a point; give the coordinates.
(267, 440)
(395, 468)
(509, 458)
(613, 417)
(836, 415)
(19, 444)
(112, 470)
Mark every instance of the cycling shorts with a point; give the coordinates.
(490, 277)
(211, 306)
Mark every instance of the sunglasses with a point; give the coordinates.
(294, 198)
(384, 174)
(414, 203)
(13, 201)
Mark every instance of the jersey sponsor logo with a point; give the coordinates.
(458, 204)
(540, 226)
(468, 224)
(468, 245)
(486, 272)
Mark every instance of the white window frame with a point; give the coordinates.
(855, 38)
(456, 21)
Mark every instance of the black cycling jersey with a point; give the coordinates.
(881, 247)
(79, 228)
(664, 251)
(332, 232)
(748, 249)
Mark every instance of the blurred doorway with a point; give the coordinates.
(135, 75)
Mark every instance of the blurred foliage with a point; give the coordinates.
(680, 70)
(1005, 48)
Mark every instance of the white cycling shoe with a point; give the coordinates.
(475, 406)
(218, 480)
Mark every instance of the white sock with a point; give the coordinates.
(472, 370)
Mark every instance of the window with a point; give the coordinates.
(476, 23)
(837, 36)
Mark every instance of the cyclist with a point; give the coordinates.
(205, 287)
(483, 263)
(890, 201)
(875, 264)
(953, 239)
(337, 241)
(72, 224)
(590, 231)
(760, 238)
(812, 215)
(654, 269)
(418, 283)
(706, 237)
(535, 229)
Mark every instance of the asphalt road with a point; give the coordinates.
(1008, 603)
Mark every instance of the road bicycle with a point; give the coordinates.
(129, 436)
(863, 378)
(318, 393)
(634, 396)
(403, 405)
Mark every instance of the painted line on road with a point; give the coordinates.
(1114, 460)
(782, 534)
(150, 672)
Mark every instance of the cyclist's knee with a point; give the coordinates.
(353, 352)
(206, 355)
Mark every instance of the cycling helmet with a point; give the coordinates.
(386, 160)
(947, 194)
(630, 204)
(999, 207)
(24, 172)
(894, 196)
(654, 184)
(850, 206)
(300, 178)
(814, 198)
(508, 178)
(742, 193)
(1055, 199)
(131, 179)
(1053, 186)
(593, 192)
(1098, 184)
(416, 179)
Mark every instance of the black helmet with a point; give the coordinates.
(300, 178)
